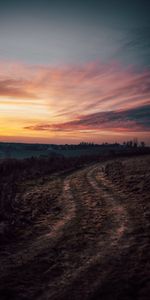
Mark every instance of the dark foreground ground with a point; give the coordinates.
(81, 236)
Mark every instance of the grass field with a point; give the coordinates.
(79, 235)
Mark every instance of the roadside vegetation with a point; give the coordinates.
(66, 221)
(17, 176)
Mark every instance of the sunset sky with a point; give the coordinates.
(73, 71)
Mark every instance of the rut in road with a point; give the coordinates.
(82, 251)
(94, 235)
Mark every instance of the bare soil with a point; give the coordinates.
(81, 236)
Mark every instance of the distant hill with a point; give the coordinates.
(21, 150)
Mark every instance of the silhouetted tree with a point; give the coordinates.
(135, 143)
(142, 144)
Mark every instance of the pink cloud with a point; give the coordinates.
(134, 120)
(81, 97)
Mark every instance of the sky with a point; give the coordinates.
(73, 71)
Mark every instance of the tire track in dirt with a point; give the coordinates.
(102, 222)
(69, 211)
(34, 247)
(114, 204)
(84, 247)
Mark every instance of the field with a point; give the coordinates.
(79, 234)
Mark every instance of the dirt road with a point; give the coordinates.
(93, 250)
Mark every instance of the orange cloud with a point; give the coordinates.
(15, 89)
(63, 98)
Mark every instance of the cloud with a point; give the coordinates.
(15, 89)
(93, 97)
(93, 86)
(134, 120)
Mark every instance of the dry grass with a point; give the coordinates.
(80, 236)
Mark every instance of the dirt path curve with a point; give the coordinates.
(93, 237)
(83, 256)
